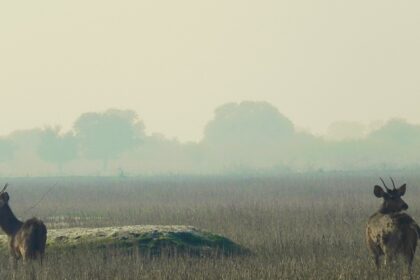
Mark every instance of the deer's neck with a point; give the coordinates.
(8, 221)
(386, 210)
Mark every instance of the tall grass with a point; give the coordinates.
(297, 226)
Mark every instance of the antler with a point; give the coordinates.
(384, 184)
(4, 188)
(392, 182)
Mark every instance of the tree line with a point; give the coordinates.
(246, 137)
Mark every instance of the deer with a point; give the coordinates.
(26, 239)
(390, 232)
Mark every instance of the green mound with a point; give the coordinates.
(147, 239)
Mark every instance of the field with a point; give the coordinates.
(307, 226)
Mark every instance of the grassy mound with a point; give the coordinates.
(147, 239)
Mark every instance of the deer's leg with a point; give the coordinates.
(409, 249)
(389, 258)
(390, 251)
(41, 259)
(24, 252)
(13, 262)
(14, 256)
(376, 252)
(376, 258)
(409, 257)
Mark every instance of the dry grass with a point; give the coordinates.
(298, 227)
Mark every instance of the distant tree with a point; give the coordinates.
(248, 122)
(398, 132)
(104, 136)
(6, 149)
(57, 149)
(247, 135)
(397, 143)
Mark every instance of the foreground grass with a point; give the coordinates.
(298, 227)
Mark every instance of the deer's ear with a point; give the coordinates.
(401, 190)
(378, 191)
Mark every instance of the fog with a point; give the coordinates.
(242, 138)
(174, 62)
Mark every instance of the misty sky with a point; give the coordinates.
(174, 62)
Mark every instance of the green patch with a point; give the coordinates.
(150, 240)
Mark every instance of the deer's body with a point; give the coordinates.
(29, 242)
(391, 232)
(26, 239)
(391, 235)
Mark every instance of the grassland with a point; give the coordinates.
(297, 226)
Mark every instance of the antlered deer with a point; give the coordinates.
(389, 231)
(26, 239)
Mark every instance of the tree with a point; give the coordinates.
(6, 149)
(249, 135)
(397, 132)
(56, 148)
(104, 136)
(248, 122)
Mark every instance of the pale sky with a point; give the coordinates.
(174, 62)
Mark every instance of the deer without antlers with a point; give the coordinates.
(389, 231)
(26, 239)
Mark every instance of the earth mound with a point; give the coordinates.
(147, 239)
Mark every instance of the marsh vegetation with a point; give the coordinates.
(297, 226)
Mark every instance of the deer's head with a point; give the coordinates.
(392, 198)
(4, 196)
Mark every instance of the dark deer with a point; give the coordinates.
(390, 232)
(26, 239)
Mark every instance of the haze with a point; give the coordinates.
(174, 62)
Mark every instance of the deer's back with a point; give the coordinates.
(392, 231)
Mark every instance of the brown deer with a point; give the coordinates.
(26, 239)
(389, 231)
